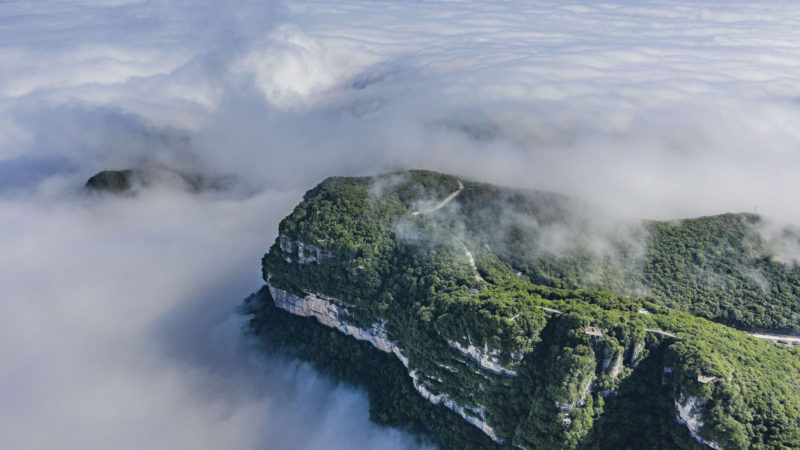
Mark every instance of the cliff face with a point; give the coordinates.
(329, 314)
(333, 313)
(525, 365)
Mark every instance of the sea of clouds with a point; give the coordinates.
(118, 323)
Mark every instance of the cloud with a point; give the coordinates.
(116, 325)
(118, 329)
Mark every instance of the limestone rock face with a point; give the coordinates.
(482, 361)
(332, 313)
(300, 252)
(474, 416)
(613, 363)
(328, 313)
(487, 358)
(689, 414)
(533, 360)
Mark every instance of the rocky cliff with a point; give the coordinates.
(522, 364)
(329, 314)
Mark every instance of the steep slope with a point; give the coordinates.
(522, 364)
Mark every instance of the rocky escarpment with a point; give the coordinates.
(508, 361)
(488, 359)
(689, 414)
(332, 313)
(300, 252)
(481, 362)
(113, 181)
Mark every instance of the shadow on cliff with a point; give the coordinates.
(615, 421)
(393, 401)
(642, 414)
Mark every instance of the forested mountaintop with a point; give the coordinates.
(478, 292)
(719, 267)
(129, 181)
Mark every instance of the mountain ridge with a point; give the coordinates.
(529, 365)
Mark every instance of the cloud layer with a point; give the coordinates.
(117, 325)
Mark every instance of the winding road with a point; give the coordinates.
(441, 204)
(777, 338)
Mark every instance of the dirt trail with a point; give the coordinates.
(661, 332)
(472, 264)
(441, 204)
(777, 338)
(555, 311)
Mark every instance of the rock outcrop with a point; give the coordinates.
(300, 252)
(113, 181)
(689, 414)
(332, 313)
(527, 364)
(487, 358)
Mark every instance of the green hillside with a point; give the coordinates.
(478, 302)
(718, 267)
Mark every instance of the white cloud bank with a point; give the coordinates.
(117, 331)
(116, 326)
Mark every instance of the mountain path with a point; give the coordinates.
(661, 332)
(472, 264)
(791, 340)
(442, 203)
(777, 338)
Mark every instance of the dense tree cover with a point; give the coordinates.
(412, 274)
(392, 398)
(718, 267)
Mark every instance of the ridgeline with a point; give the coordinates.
(478, 316)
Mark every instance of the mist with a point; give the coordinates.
(119, 324)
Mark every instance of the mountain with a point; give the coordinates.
(460, 307)
(129, 181)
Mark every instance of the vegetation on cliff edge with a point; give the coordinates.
(413, 274)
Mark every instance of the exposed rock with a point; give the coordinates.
(486, 358)
(702, 378)
(636, 353)
(613, 363)
(114, 181)
(474, 267)
(448, 368)
(444, 399)
(328, 313)
(300, 251)
(689, 414)
(332, 313)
